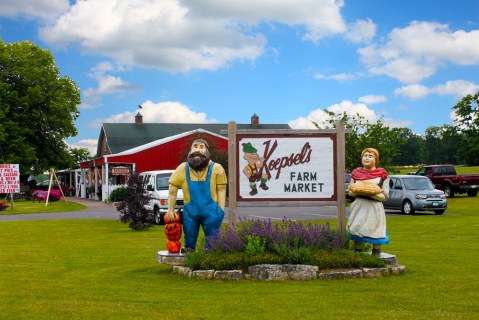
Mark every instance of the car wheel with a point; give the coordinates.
(407, 207)
(448, 191)
(158, 216)
(439, 211)
(472, 193)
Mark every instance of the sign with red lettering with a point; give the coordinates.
(286, 167)
(9, 178)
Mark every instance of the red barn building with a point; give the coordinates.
(127, 147)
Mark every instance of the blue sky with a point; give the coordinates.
(214, 61)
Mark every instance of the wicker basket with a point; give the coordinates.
(365, 188)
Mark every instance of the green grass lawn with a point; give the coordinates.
(100, 269)
(28, 206)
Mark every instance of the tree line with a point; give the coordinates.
(456, 144)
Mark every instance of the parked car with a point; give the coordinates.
(348, 181)
(156, 184)
(411, 193)
(445, 178)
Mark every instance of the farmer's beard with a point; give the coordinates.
(198, 161)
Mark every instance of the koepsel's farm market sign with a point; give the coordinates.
(9, 178)
(278, 168)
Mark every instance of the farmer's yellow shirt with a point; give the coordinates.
(218, 177)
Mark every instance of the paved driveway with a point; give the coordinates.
(101, 210)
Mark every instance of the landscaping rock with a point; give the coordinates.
(185, 271)
(228, 275)
(268, 272)
(301, 272)
(375, 272)
(203, 274)
(341, 274)
(397, 270)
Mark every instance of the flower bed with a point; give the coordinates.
(55, 195)
(248, 243)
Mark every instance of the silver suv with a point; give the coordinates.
(414, 193)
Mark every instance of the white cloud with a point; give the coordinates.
(341, 77)
(413, 91)
(361, 31)
(168, 112)
(44, 9)
(456, 88)
(415, 52)
(372, 99)
(89, 144)
(176, 35)
(107, 84)
(321, 117)
(320, 18)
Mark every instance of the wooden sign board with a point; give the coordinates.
(9, 178)
(116, 171)
(292, 168)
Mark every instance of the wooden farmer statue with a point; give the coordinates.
(204, 190)
(370, 186)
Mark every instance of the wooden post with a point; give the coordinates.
(53, 175)
(232, 172)
(49, 187)
(341, 172)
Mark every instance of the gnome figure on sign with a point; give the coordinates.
(252, 170)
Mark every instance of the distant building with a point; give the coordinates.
(127, 147)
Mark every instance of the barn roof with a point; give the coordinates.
(124, 136)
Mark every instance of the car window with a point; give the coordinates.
(394, 183)
(162, 181)
(450, 171)
(418, 184)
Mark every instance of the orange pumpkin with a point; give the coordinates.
(173, 246)
(173, 231)
(177, 219)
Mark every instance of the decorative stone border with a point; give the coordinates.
(279, 272)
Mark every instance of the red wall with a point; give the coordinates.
(165, 156)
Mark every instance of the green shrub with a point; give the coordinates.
(119, 194)
(255, 245)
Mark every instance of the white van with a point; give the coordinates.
(156, 184)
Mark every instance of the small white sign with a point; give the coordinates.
(9, 178)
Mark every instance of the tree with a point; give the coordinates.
(412, 151)
(79, 155)
(467, 121)
(387, 141)
(441, 144)
(132, 208)
(37, 108)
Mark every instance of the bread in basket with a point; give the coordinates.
(364, 188)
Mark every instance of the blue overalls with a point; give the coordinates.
(201, 209)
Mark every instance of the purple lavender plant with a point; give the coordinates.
(286, 235)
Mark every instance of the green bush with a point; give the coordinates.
(119, 194)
